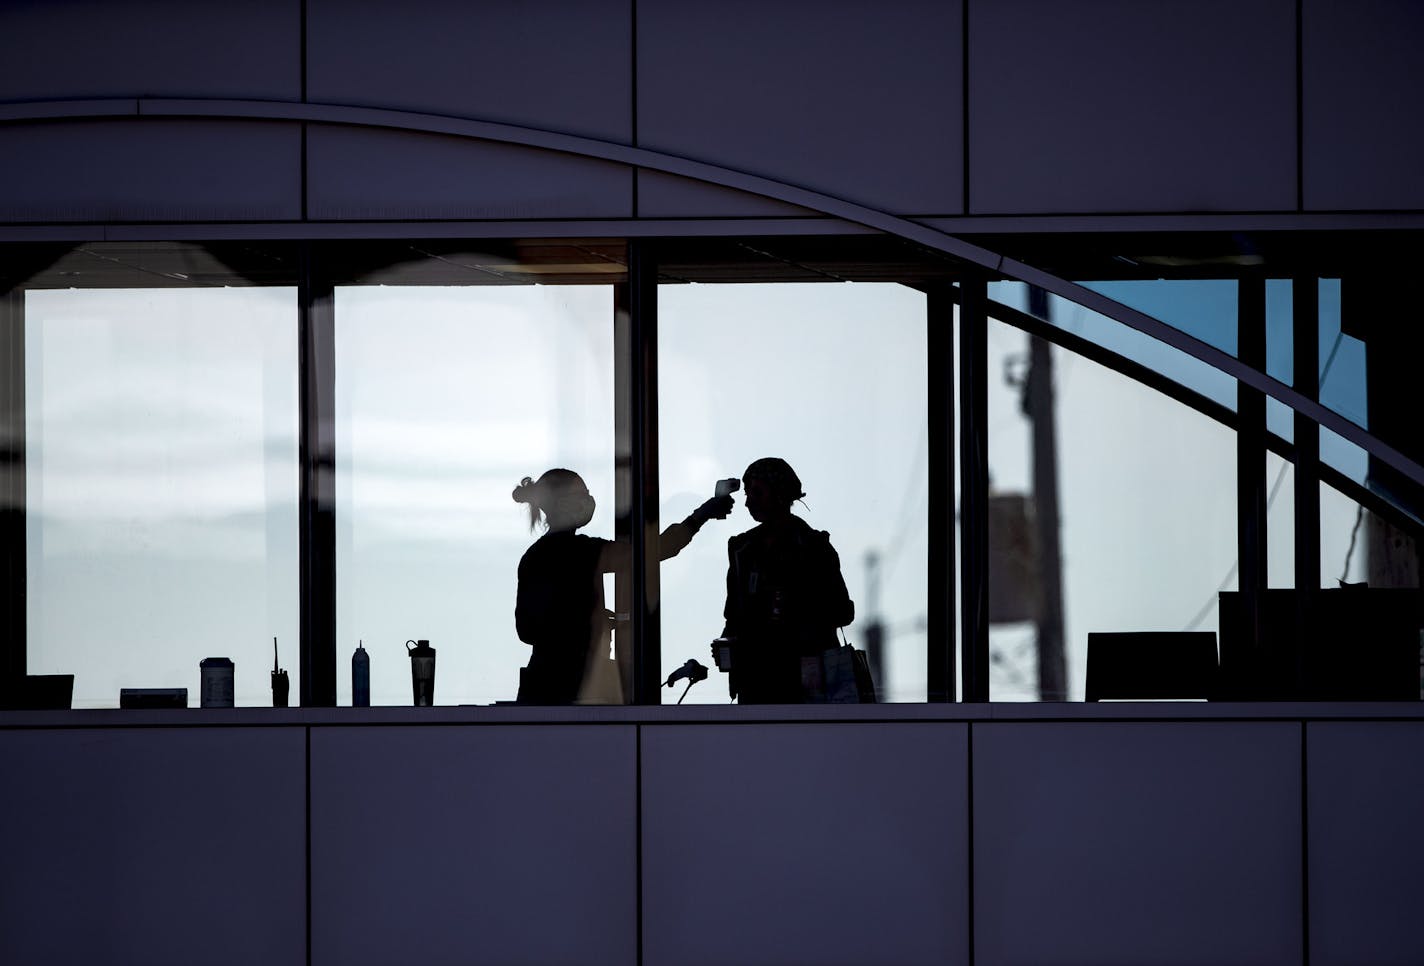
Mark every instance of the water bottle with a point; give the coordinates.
(360, 677)
(422, 672)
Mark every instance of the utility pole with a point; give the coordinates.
(1039, 407)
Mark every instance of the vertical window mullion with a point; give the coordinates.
(939, 346)
(974, 488)
(1251, 460)
(1306, 340)
(640, 389)
(317, 449)
(13, 640)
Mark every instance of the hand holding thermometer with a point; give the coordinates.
(725, 489)
(720, 506)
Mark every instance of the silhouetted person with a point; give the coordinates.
(560, 609)
(785, 592)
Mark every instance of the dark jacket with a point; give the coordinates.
(785, 599)
(560, 611)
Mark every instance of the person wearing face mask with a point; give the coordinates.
(559, 609)
(785, 592)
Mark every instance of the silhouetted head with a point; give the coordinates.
(561, 496)
(771, 487)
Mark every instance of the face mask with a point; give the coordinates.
(582, 507)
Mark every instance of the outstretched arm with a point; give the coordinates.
(618, 554)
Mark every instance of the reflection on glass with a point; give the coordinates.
(1359, 546)
(1343, 553)
(1280, 522)
(161, 478)
(1375, 645)
(1280, 354)
(1356, 545)
(1343, 385)
(1205, 308)
(1280, 326)
(1137, 346)
(1280, 419)
(832, 379)
(1147, 505)
(447, 397)
(1340, 454)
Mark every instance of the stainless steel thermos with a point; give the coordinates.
(422, 672)
(215, 682)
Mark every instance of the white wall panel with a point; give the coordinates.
(855, 99)
(500, 844)
(1366, 842)
(563, 65)
(827, 844)
(1137, 844)
(153, 846)
(1124, 106)
(150, 170)
(1363, 90)
(367, 173)
(153, 48)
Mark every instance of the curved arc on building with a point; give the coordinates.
(582, 146)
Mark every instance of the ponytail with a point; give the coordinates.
(528, 492)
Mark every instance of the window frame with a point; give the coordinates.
(955, 316)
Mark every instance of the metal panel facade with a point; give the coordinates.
(1363, 85)
(1170, 843)
(805, 844)
(1096, 107)
(858, 100)
(1365, 842)
(150, 170)
(1118, 106)
(150, 48)
(504, 845)
(162, 846)
(371, 174)
(563, 65)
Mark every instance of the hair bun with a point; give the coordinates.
(524, 492)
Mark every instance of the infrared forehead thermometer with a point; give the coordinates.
(728, 487)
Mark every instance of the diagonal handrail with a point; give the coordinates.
(1402, 517)
(590, 147)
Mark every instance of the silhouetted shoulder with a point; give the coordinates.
(740, 541)
(809, 534)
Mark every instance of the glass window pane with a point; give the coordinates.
(1205, 308)
(1340, 454)
(1343, 383)
(446, 396)
(1280, 522)
(1137, 346)
(1280, 355)
(1344, 551)
(832, 379)
(161, 487)
(1378, 629)
(1146, 503)
(1280, 326)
